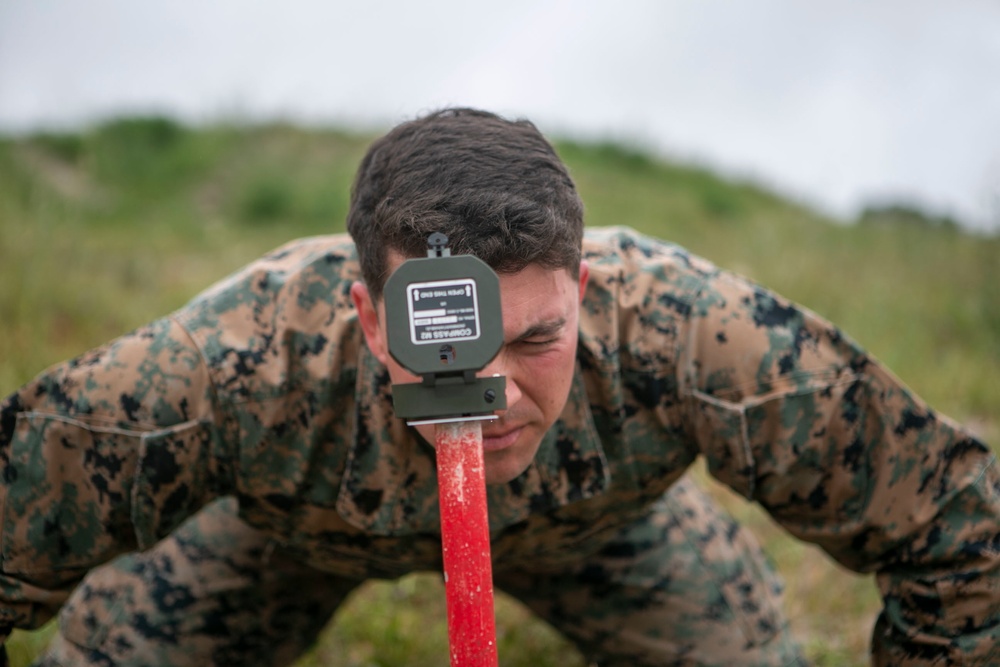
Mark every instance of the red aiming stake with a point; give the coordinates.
(465, 538)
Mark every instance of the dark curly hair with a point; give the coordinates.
(495, 187)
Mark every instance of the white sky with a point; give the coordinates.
(835, 103)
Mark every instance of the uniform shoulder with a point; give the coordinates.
(621, 256)
(284, 319)
(639, 293)
(332, 257)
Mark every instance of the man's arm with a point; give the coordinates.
(791, 413)
(102, 454)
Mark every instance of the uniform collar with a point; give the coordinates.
(389, 486)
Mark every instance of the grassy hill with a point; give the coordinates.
(105, 229)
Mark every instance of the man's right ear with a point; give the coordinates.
(368, 315)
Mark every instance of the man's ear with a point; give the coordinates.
(584, 277)
(368, 316)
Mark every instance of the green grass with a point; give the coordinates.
(108, 228)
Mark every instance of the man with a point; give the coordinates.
(242, 453)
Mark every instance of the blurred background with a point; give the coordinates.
(840, 104)
(844, 154)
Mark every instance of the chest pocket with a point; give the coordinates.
(79, 492)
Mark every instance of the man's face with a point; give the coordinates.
(541, 311)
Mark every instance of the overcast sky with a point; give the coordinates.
(837, 103)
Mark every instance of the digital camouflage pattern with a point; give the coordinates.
(216, 592)
(262, 389)
(683, 582)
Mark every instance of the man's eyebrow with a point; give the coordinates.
(540, 330)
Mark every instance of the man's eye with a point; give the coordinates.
(540, 342)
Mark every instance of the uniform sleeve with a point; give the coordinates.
(100, 455)
(792, 414)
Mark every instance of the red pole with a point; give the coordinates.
(465, 538)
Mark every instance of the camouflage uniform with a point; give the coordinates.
(261, 395)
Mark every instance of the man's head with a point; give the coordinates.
(498, 191)
(495, 188)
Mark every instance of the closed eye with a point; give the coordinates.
(538, 343)
(542, 334)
